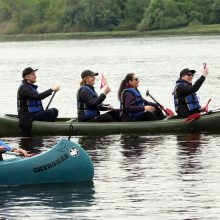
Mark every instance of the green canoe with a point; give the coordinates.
(66, 162)
(207, 123)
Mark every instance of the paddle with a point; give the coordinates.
(12, 153)
(168, 111)
(207, 106)
(198, 115)
(17, 154)
(51, 100)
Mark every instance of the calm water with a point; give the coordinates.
(150, 177)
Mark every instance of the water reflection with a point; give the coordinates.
(98, 147)
(189, 152)
(36, 145)
(53, 198)
(133, 146)
(134, 150)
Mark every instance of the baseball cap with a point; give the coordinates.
(28, 71)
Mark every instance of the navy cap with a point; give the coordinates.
(88, 73)
(185, 71)
(28, 71)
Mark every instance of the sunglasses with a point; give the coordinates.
(136, 79)
(189, 74)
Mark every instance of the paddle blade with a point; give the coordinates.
(193, 117)
(168, 112)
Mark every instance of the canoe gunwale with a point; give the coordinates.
(210, 122)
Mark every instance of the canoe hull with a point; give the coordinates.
(207, 123)
(65, 162)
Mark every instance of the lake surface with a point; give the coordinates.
(146, 177)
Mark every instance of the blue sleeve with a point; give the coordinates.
(7, 147)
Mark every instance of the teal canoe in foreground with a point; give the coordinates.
(207, 123)
(66, 162)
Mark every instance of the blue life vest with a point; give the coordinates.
(191, 101)
(138, 102)
(32, 104)
(88, 111)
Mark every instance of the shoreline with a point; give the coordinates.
(190, 30)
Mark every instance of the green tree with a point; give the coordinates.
(133, 14)
(87, 15)
(216, 11)
(162, 14)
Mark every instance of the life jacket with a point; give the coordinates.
(138, 102)
(88, 111)
(32, 104)
(191, 101)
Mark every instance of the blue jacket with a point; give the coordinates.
(7, 147)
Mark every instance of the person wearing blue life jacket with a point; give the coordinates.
(186, 100)
(5, 147)
(29, 105)
(89, 103)
(133, 106)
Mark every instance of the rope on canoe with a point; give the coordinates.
(70, 132)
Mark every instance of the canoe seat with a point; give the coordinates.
(72, 120)
(11, 115)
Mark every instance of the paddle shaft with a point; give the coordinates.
(51, 100)
(155, 100)
(12, 153)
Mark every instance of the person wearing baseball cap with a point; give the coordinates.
(29, 105)
(185, 98)
(89, 104)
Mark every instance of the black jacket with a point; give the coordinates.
(184, 90)
(25, 93)
(85, 98)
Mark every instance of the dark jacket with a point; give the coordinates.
(130, 106)
(24, 94)
(84, 98)
(183, 90)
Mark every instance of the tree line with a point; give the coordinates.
(47, 16)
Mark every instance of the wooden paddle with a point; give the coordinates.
(51, 99)
(167, 111)
(198, 115)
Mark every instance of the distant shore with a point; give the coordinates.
(190, 30)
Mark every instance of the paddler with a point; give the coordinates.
(133, 106)
(89, 103)
(29, 103)
(185, 98)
